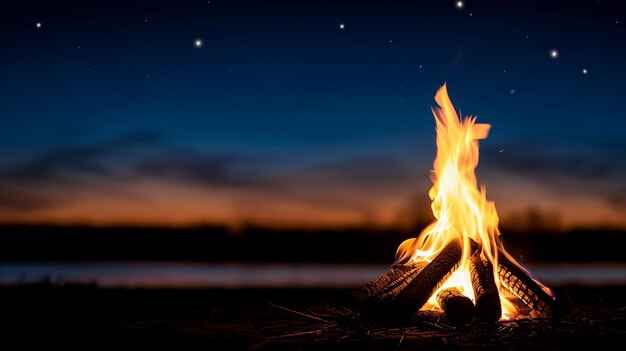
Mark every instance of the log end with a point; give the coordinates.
(460, 310)
(457, 307)
(488, 308)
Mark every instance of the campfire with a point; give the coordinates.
(458, 263)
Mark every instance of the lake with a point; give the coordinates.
(240, 275)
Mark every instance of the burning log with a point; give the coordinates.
(404, 296)
(419, 290)
(392, 291)
(384, 282)
(524, 287)
(486, 294)
(457, 307)
(375, 296)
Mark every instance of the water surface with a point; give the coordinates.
(201, 275)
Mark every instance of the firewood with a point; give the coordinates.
(380, 284)
(394, 288)
(486, 293)
(377, 304)
(524, 287)
(417, 291)
(405, 294)
(457, 307)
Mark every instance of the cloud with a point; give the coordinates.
(543, 160)
(358, 184)
(19, 199)
(221, 170)
(617, 199)
(596, 168)
(91, 159)
(110, 167)
(362, 169)
(33, 184)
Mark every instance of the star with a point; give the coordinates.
(342, 26)
(512, 91)
(38, 24)
(585, 71)
(554, 53)
(459, 4)
(198, 43)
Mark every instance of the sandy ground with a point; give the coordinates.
(87, 317)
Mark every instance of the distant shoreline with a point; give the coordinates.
(219, 244)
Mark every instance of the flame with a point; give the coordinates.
(461, 209)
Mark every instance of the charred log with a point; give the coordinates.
(416, 292)
(488, 307)
(524, 287)
(394, 288)
(403, 295)
(384, 282)
(385, 291)
(458, 308)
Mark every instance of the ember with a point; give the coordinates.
(458, 259)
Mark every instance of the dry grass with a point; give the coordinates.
(328, 324)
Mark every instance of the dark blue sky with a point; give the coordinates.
(278, 98)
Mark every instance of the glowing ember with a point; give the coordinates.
(461, 209)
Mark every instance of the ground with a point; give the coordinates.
(88, 317)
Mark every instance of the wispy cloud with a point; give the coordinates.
(38, 182)
(66, 164)
(34, 183)
(595, 169)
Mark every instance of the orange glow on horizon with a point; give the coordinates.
(155, 204)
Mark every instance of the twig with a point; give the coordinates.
(296, 334)
(401, 338)
(298, 312)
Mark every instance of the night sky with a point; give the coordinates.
(306, 112)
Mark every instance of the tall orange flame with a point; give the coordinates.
(461, 209)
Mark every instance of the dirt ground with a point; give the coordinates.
(87, 317)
